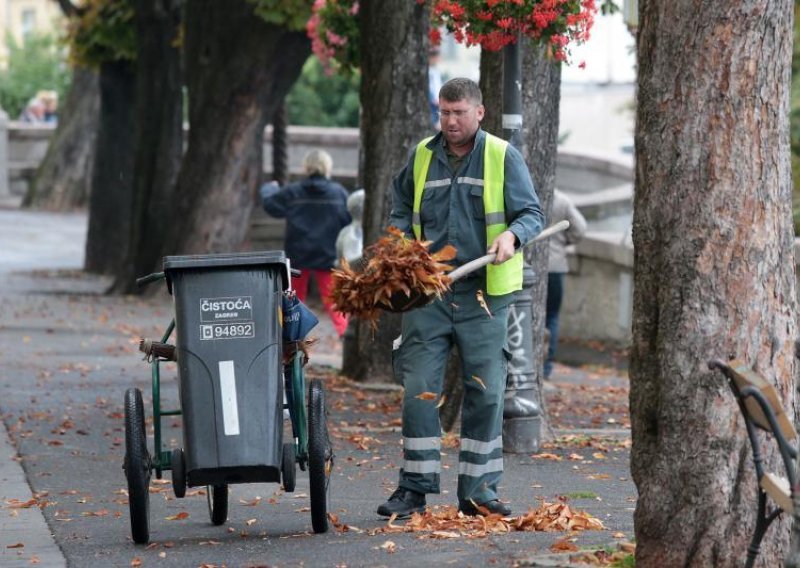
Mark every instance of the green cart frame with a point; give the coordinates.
(311, 449)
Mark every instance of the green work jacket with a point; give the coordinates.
(452, 208)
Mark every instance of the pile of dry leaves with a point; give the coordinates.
(448, 522)
(393, 265)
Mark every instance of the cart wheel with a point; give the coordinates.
(137, 466)
(320, 456)
(217, 503)
(178, 473)
(288, 472)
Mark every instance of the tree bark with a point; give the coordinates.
(159, 137)
(280, 144)
(238, 70)
(394, 87)
(713, 270)
(62, 181)
(491, 84)
(112, 175)
(541, 99)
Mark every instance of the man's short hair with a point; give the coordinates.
(460, 89)
(318, 162)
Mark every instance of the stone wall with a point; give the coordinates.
(598, 292)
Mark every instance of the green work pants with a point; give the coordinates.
(428, 335)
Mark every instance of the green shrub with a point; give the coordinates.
(318, 99)
(38, 64)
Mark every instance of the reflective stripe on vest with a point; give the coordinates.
(500, 279)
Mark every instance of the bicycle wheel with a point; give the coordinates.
(217, 496)
(320, 456)
(137, 466)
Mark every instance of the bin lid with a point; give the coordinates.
(174, 264)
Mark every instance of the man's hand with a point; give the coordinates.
(503, 245)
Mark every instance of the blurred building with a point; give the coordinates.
(20, 18)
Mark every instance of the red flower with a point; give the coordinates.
(504, 23)
(435, 36)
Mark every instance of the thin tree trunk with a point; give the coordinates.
(394, 87)
(238, 70)
(541, 99)
(62, 181)
(280, 144)
(159, 137)
(713, 270)
(112, 176)
(491, 83)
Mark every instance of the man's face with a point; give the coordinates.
(459, 120)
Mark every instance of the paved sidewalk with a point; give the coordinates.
(66, 349)
(26, 243)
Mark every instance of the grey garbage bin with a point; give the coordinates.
(228, 325)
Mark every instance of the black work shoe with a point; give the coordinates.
(403, 503)
(495, 507)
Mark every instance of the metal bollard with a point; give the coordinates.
(522, 412)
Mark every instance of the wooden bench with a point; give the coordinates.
(761, 408)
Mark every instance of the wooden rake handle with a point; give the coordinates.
(474, 265)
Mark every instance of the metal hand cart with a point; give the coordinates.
(236, 380)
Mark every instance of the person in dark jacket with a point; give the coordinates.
(315, 210)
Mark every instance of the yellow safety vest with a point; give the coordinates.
(500, 278)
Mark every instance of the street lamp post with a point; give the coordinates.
(521, 409)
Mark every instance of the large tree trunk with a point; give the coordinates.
(541, 98)
(394, 117)
(238, 71)
(159, 137)
(112, 177)
(62, 180)
(713, 270)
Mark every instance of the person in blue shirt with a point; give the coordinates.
(458, 188)
(315, 210)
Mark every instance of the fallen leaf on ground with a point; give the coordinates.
(18, 545)
(251, 502)
(563, 545)
(179, 517)
(389, 547)
(546, 456)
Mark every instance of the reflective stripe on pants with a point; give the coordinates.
(428, 335)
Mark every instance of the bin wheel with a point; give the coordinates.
(320, 456)
(217, 496)
(178, 473)
(288, 471)
(137, 466)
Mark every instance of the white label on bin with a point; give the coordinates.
(230, 409)
(213, 331)
(230, 308)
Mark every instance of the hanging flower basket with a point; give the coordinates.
(333, 29)
(494, 24)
